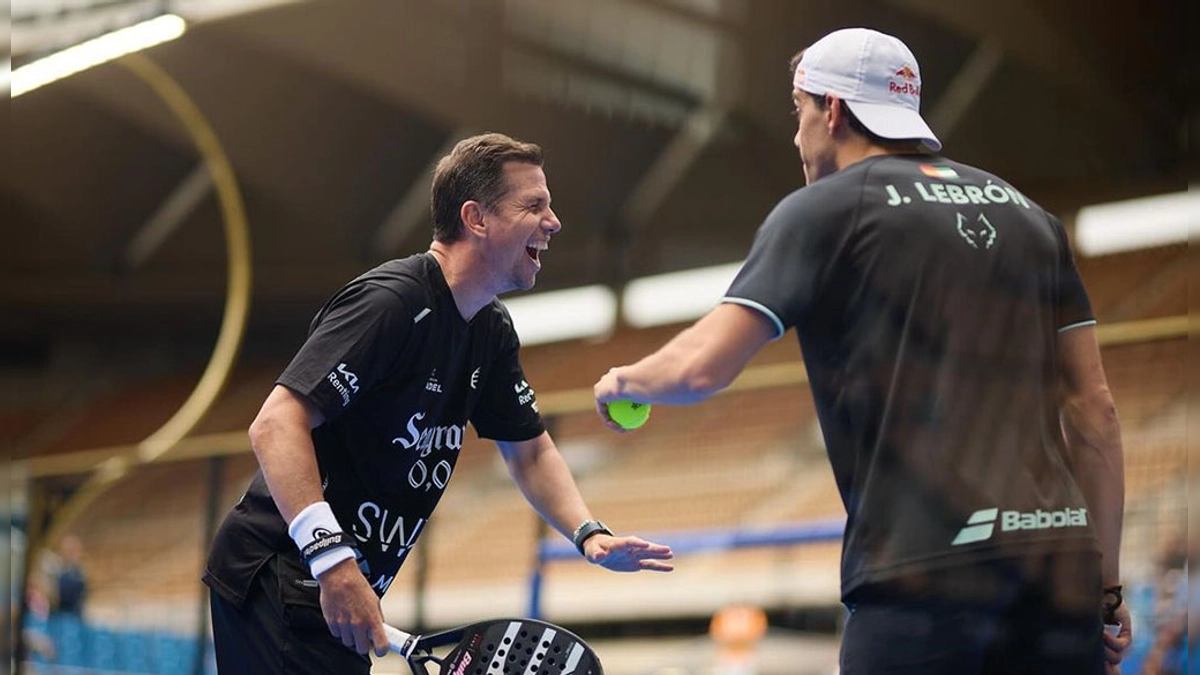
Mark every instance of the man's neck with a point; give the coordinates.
(471, 293)
(856, 150)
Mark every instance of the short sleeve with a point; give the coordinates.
(508, 408)
(353, 345)
(1072, 308)
(782, 273)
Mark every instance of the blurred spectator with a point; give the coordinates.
(35, 634)
(1193, 614)
(1168, 655)
(70, 581)
(1168, 651)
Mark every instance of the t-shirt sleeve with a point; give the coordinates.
(781, 277)
(353, 346)
(1073, 309)
(508, 408)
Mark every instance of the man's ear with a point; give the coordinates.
(471, 215)
(833, 113)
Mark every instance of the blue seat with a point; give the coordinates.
(133, 652)
(71, 639)
(102, 651)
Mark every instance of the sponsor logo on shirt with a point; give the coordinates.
(979, 234)
(389, 533)
(428, 439)
(433, 384)
(982, 524)
(525, 395)
(475, 378)
(345, 390)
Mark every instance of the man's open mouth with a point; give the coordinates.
(535, 250)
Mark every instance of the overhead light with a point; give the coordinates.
(587, 311)
(676, 297)
(96, 51)
(1138, 223)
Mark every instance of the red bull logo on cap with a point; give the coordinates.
(905, 82)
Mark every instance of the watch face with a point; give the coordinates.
(585, 531)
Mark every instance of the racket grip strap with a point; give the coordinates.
(400, 642)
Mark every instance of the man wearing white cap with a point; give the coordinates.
(951, 351)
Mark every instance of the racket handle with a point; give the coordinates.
(398, 641)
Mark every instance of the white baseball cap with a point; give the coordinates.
(876, 75)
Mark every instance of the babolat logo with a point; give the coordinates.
(982, 524)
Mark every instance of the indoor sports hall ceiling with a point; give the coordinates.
(666, 125)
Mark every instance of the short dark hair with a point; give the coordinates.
(852, 120)
(474, 170)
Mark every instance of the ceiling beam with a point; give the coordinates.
(1029, 39)
(170, 215)
(681, 153)
(672, 164)
(412, 211)
(964, 89)
(719, 21)
(588, 67)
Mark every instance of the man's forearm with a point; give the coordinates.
(289, 464)
(546, 482)
(1103, 485)
(1097, 461)
(685, 370)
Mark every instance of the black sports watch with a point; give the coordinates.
(585, 530)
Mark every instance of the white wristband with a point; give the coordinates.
(322, 563)
(315, 522)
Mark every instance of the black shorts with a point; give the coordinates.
(279, 629)
(1026, 616)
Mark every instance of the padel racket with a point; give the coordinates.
(499, 647)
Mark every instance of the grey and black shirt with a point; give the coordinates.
(927, 296)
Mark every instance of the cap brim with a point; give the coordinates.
(895, 122)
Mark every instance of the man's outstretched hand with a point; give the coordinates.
(627, 554)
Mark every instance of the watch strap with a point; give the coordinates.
(585, 530)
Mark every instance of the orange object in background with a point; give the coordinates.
(737, 631)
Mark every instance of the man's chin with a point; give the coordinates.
(524, 283)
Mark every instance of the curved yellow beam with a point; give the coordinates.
(237, 299)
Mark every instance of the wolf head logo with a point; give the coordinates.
(980, 234)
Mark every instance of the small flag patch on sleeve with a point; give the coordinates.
(943, 172)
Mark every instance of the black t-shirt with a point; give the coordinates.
(927, 297)
(397, 374)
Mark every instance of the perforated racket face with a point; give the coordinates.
(521, 647)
